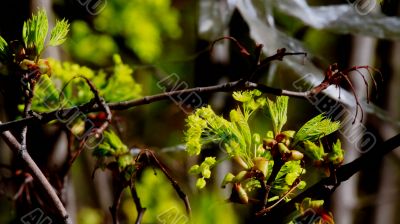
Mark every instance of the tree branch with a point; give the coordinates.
(325, 187)
(92, 107)
(37, 174)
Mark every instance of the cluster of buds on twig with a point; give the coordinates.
(280, 147)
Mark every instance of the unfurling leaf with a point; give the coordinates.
(337, 154)
(278, 112)
(313, 151)
(3, 48)
(59, 33)
(34, 32)
(229, 178)
(315, 129)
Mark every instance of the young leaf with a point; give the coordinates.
(337, 154)
(3, 48)
(110, 146)
(240, 122)
(316, 128)
(34, 32)
(312, 150)
(59, 33)
(277, 111)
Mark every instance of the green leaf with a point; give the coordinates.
(285, 177)
(312, 150)
(229, 178)
(34, 32)
(337, 154)
(241, 124)
(103, 150)
(315, 129)
(111, 146)
(124, 161)
(278, 112)
(59, 33)
(3, 48)
(290, 178)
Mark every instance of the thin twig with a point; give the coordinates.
(37, 174)
(140, 210)
(117, 199)
(275, 170)
(101, 104)
(292, 188)
(124, 105)
(151, 155)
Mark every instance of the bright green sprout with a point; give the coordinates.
(59, 33)
(119, 85)
(35, 30)
(3, 48)
(315, 129)
(113, 148)
(277, 111)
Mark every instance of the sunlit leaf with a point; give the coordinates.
(3, 48)
(35, 30)
(316, 128)
(278, 112)
(59, 33)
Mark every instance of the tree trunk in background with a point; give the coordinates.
(346, 196)
(387, 203)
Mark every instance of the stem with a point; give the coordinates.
(174, 183)
(140, 210)
(117, 199)
(37, 174)
(91, 107)
(275, 170)
(265, 210)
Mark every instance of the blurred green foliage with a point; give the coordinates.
(116, 85)
(142, 25)
(88, 46)
(164, 206)
(159, 197)
(88, 215)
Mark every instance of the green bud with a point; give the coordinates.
(239, 160)
(256, 138)
(295, 155)
(283, 149)
(261, 164)
(26, 64)
(229, 177)
(260, 150)
(44, 67)
(240, 176)
(200, 183)
(206, 173)
(243, 197)
(194, 169)
(270, 134)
